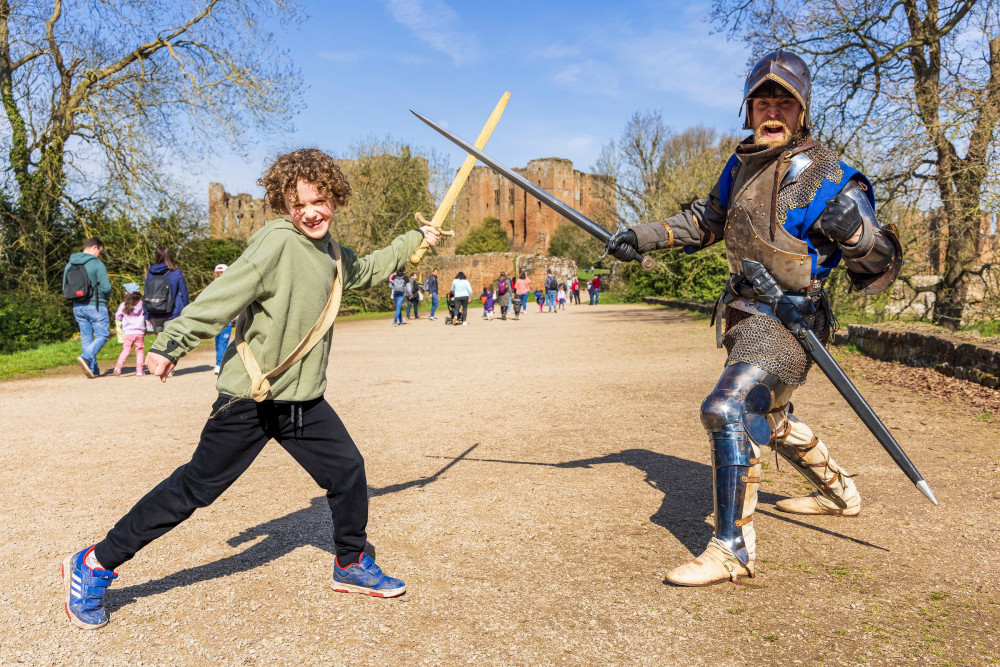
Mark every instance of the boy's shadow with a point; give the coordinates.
(309, 526)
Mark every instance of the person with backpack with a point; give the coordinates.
(503, 294)
(86, 283)
(551, 289)
(413, 297)
(285, 289)
(575, 291)
(398, 283)
(166, 292)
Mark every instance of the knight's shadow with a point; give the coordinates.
(687, 494)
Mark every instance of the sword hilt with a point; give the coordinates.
(424, 246)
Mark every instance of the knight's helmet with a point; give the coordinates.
(784, 69)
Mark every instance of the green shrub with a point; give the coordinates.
(487, 237)
(198, 259)
(27, 321)
(696, 277)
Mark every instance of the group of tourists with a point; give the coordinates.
(510, 295)
(143, 309)
(783, 202)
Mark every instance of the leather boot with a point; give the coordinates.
(715, 565)
(836, 493)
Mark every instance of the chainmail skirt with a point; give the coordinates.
(766, 343)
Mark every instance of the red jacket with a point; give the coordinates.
(597, 282)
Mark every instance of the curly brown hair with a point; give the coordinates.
(308, 164)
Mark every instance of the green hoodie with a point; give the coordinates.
(283, 281)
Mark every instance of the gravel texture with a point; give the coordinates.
(531, 482)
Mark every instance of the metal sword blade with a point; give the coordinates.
(863, 410)
(538, 193)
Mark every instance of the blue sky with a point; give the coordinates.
(577, 70)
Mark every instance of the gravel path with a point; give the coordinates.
(531, 482)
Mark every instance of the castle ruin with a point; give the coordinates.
(529, 224)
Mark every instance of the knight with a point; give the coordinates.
(788, 202)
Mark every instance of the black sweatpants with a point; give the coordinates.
(232, 438)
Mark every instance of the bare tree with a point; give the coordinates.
(912, 88)
(655, 170)
(98, 94)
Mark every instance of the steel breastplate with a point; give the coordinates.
(751, 224)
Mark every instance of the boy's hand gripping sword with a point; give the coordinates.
(444, 208)
(538, 193)
(763, 287)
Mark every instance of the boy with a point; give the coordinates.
(288, 268)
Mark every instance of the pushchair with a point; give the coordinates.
(451, 309)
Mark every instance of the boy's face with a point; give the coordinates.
(312, 213)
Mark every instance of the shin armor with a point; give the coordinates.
(734, 415)
(796, 442)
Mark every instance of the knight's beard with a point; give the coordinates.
(762, 139)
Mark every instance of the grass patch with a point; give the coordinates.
(838, 571)
(28, 363)
(384, 314)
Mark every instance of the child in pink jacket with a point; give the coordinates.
(133, 318)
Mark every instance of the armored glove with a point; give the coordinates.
(623, 246)
(841, 218)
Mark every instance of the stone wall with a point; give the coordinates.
(529, 223)
(948, 355)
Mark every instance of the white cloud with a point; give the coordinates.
(437, 25)
(588, 77)
(685, 63)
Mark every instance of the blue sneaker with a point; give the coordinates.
(85, 589)
(365, 577)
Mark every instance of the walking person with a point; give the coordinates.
(551, 289)
(286, 288)
(413, 297)
(489, 304)
(166, 292)
(431, 287)
(85, 281)
(399, 282)
(222, 340)
(540, 299)
(462, 290)
(133, 328)
(561, 296)
(575, 291)
(596, 282)
(503, 294)
(522, 287)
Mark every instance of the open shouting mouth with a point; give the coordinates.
(772, 133)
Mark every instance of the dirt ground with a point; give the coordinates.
(531, 482)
